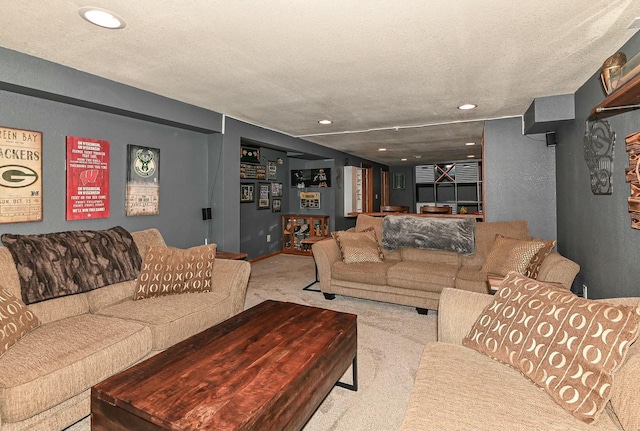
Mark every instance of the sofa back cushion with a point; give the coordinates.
(430, 256)
(47, 311)
(486, 234)
(116, 293)
(364, 222)
(59, 264)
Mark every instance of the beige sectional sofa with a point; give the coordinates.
(46, 377)
(458, 388)
(416, 277)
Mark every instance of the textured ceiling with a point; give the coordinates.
(365, 64)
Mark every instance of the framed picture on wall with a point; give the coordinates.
(276, 205)
(143, 181)
(264, 202)
(272, 171)
(276, 190)
(398, 181)
(249, 154)
(247, 193)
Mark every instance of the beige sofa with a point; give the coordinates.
(416, 277)
(46, 377)
(457, 388)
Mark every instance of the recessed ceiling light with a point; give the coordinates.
(471, 156)
(382, 149)
(470, 143)
(325, 121)
(467, 106)
(418, 157)
(102, 18)
(403, 160)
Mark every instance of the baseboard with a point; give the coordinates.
(266, 256)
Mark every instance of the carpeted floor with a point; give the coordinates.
(390, 342)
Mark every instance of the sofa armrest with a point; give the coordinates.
(558, 269)
(232, 277)
(325, 253)
(457, 312)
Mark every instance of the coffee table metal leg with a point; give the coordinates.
(354, 369)
(313, 282)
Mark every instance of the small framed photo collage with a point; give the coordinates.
(268, 195)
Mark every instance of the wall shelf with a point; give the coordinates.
(623, 99)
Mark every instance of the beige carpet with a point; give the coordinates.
(390, 341)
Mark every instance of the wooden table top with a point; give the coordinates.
(232, 255)
(268, 368)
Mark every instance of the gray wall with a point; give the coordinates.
(182, 167)
(595, 231)
(406, 197)
(520, 179)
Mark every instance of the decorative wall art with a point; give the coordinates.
(599, 142)
(247, 193)
(253, 172)
(20, 175)
(249, 154)
(272, 172)
(633, 177)
(310, 200)
(276, 190)
(87, 178)
(398, 181)
(143, 181)
(302, 178)
(263, 196)
(276, 205)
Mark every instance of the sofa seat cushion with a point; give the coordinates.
(457, 388)
(173, 318)
(472, 279)
(61, 359)
(366, 272)
(426, 276)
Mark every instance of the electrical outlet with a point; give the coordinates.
(268, 238)
(584, 291)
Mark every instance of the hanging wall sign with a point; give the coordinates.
(20, 175)
(87, 178)
(143, 181)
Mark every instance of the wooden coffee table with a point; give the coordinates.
(268, 368)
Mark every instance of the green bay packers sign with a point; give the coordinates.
(20, 175)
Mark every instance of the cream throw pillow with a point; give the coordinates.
(569, 346)
(359, 247)
(168, 271)
(16, 320)
(509, 254)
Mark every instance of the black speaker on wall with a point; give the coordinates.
(551, 139)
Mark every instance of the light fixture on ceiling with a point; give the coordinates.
(471, 156)
(470, 143)
(417, 157)
(325, 122)
(102, 18)
(467, 106)
(403, 160)
(382, 149)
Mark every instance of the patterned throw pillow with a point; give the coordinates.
(536, 261)
(567, 345)
(359, 247)
(16, 320)
(509, 254)
(168, 271)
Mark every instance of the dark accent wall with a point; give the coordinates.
(406, 197)
(595, 230)
(519, 176)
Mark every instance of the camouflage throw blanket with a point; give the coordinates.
(66, 263)
(450, 234)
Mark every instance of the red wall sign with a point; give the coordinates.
(87, 178)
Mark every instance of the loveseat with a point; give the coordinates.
(46, 377)
(458, 388)
(415, 276)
